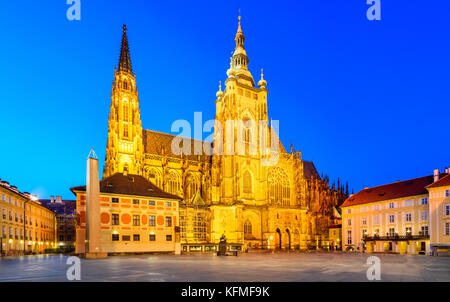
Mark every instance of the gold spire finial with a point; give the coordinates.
(239, 16)
(220, 85)
(124, 28)
(262, 73)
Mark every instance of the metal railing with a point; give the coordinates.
(396, 237)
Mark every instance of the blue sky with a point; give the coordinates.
(367, 101)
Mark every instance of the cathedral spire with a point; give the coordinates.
(124, 60)
(240, 59)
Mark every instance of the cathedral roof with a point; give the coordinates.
(161, 144)
(129, 185)
(309, 170)
(400, 189)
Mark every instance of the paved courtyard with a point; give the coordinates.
(246, 267)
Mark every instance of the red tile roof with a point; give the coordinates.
(444, 181)
(411, 187)
(129, 185)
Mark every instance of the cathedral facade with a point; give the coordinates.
(284, 205)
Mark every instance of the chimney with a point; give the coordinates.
(436, 175)
(58, 199)
(447, 170)
(52, 199)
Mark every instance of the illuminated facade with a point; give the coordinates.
(399, 217)
(285, 206)
(135, 216)
(439, 208)
(26, 226)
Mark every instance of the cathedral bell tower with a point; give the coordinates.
(125, 149)
(245, 104)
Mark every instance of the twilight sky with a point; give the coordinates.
(367, 101)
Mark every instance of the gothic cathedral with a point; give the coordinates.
(287, 205)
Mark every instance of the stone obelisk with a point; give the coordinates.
(93, 230)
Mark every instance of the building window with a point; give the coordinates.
(391, 231)
(247, 228)
(349, 222)
(408, 217)
(391, 205)
(115, 200)
(151, 220)
(126, 238)
(447, 210)
(168, 204)
(376, 219)
(349, 237)
(349, 211)
(447, 228)
(152, 237)
(279, 187)
(391, 218)
(376, 207)
(447, 193)
(424, 216)
(424, 230)
(136, 237)
(168, 237)
(125, 112)
(173, 184)
(408, 231)
(151, 202)
(115, 237)
(425, 200)
(61, 237)
(135, 201)
(168, 221)
(125, 130)
(115, 219)
(136, 220)
(364, 221)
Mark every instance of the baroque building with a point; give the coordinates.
(26, 226)
(255, 203)
(407, 217)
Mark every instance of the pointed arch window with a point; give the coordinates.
(155, 177)
(192, 187)
(173, 183)
(125, 112)
(279, 188)
(247, 229)
(125, 130)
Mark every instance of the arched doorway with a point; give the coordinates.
(278, 240)
(288, 234)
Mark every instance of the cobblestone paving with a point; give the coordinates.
(245, 267)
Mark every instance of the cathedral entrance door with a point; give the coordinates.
(278, 240)
(288, 234)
